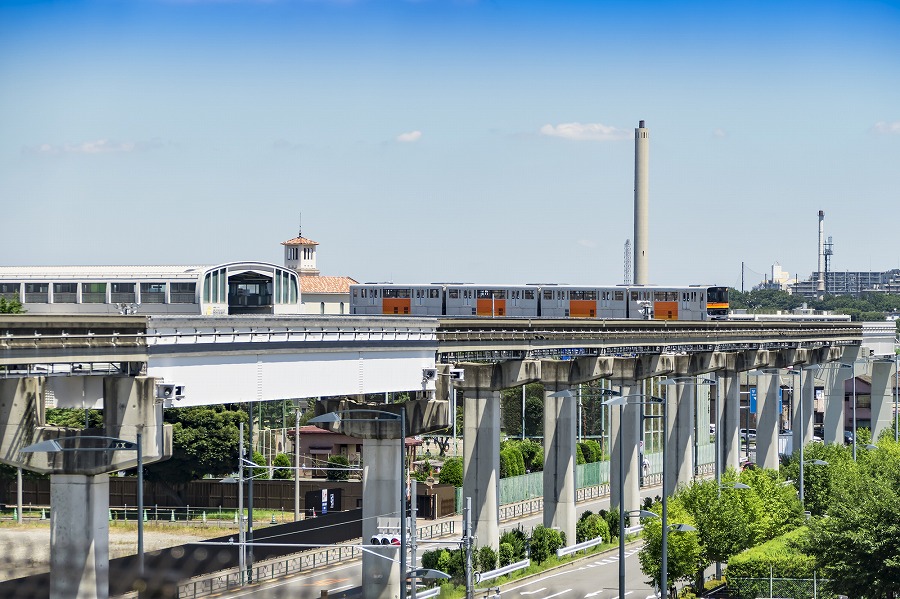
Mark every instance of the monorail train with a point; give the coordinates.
(694, 302)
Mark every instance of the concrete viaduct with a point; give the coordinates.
(385, 354)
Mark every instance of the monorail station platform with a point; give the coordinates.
(233, 288)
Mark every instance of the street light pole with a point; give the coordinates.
(621, 400)
(403, 473)
(622, 503)
(242, 559)
(140, 502)
(664, 574)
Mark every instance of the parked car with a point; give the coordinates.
(748, 433)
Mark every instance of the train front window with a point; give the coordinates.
(717, 295)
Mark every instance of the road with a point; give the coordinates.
(596, 577)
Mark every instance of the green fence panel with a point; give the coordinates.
(521, 488)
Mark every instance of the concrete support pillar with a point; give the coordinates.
(381, 490)
(835, 378)
(882, 398)
(625, 438)
(730, 422)
(560, 423)
(680, 437)
(767, 420)
(805, 396)
(481, 457)
(79, 536)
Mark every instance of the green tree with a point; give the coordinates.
(282, 463)
(858, 545)
(11, 306)
(533, 454)
(684, 554)
(205, 442)
(511, 409)
(771, 507)
(340, 467)
(74, 417)
(721, 521)
(451, 472)
(818, 480)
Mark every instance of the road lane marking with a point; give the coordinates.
(557, 594)
(533, 592)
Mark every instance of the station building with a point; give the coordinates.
(231, 288)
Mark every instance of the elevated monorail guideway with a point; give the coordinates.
(492, 339)
(220, 359)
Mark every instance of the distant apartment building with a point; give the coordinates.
(849, 283)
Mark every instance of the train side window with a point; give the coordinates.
(619, 296)
(453, 294)
(548, 294)
(433, 293)
(356, 293)
(364, 294)
(528, 294)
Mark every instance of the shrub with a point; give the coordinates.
(517, 541)
(590, 528)
(612, 522)
(430, 559)
(579, 454)
(487, 559)
(263, 472)
(591, 451)
(545, 542)
(452, 472)
(777, 556)
(282, 473)
(507, 556)
(511, 461)
(340, 463)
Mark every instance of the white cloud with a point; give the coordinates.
(409, 137)
(99, 146)
(719, 133)
(885, 127)
(585, 132)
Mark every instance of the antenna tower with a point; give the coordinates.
(628, 270)
(829, 252)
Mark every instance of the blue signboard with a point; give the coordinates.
(753, 400)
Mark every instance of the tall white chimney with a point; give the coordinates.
(641, 202)
(820, 286)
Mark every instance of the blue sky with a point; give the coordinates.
(451, 140)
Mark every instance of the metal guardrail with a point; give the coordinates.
(206, 586)
(301, 562)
